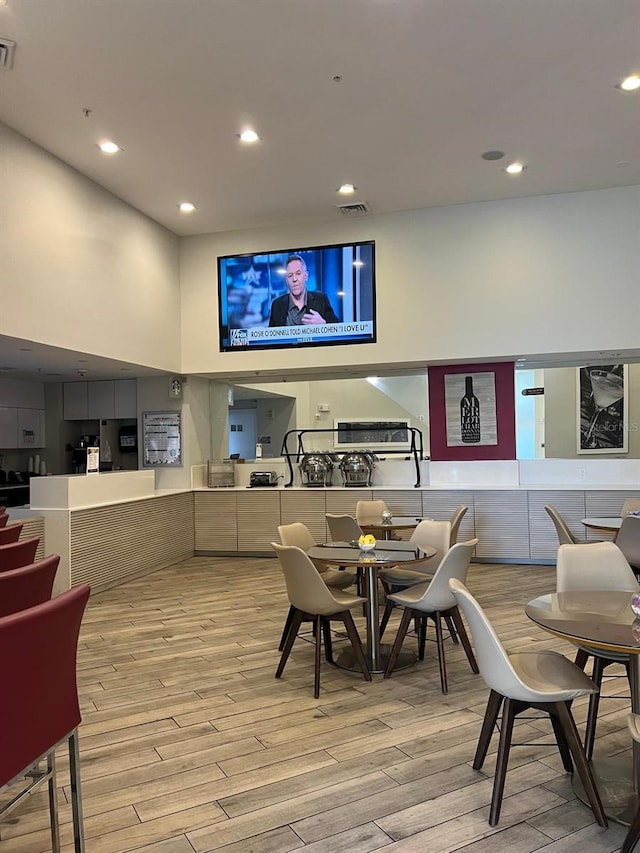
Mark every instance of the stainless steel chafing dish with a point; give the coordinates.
(357, 468)
(316, 469)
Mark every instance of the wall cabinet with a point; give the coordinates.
(102, 400)
(8, 427)
(31, 428)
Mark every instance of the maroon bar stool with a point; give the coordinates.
(38, 649)
(10, 533)
(18, 554)
(28, 586)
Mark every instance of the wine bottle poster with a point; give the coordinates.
(470, 409)
(602, 409)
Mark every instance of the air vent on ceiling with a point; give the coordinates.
(356, 209)
(7, 51)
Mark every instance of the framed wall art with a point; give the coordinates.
(602, 409)
(472, 412)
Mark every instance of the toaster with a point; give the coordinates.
(262, 478)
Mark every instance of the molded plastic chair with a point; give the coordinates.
(343, 528)
(633, 835)
(565, 536)
(28, 586)
(544, 680)
(312, 600)
(18, 554)
(10, 533)
(434, 600)
(370, 512)
(455, 522)
(38, 650)
(628, 540)
(630, 505)
(299, 535)
(428, 534)
(601, 566)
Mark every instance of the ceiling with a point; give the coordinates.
(398, 97)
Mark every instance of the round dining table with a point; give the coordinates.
(601, 522)
(386, 553)
(385, 528)
(605, 621)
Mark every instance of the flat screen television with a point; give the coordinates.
(256, 311)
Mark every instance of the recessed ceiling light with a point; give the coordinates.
(187, 207)
(26, 349)
(629, 84)
(493, 155)
(83, 361)
(249, 136)
(109, 147)
(515, 168)
(346, 189)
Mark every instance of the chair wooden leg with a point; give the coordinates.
(633, 835)
(328, 645)
(397, 645)
(453, 632)
(318, 650)
(352, 631)
(287, 626)
(563, 746)
(53, 802)
(76, 793)
(599, 665)
(422, 636)
(561, 709)
(508, 716)
(388, 610)
(488, 725)
(456, 617)
(440, 644)
(291, 636)
(581, 658)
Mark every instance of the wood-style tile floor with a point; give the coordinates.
(188, 743)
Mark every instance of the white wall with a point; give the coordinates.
(81, 269)
(468, 282)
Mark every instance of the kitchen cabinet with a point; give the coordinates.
(75, 401)
(8, 427)
(100, 400)
(125, 398)
(30, 428)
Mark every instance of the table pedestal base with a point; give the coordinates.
(614, 781)
(346, 660)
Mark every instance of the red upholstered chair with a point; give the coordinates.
(38, 650)
(10, 533)
(18, 554)
(26, 587)
(4, 518)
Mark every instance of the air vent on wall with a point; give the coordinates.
(7, 51)
(356, 209)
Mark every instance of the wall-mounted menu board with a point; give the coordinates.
(162, 440)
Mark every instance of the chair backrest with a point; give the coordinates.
(628, 540)
(455, 564)
(432, 534)
(297, 534)
(598, 565)
(28, 586)
(38, 649)
(10, 533)
(343, 528)
(565, 536)
(493, 661)
(305, 588)
(630, 505)
(18, 554)
(455, 520)
(370, 512)
(4, 518)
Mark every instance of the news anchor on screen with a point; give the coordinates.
(299, 306)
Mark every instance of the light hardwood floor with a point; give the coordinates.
(188, 743)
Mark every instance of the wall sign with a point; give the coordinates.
(532, 392)
(602, 408)
(162, 440)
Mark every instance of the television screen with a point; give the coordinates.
(315, 296)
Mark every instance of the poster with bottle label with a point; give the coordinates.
(470, 403)
(162, 439)
(93, 460)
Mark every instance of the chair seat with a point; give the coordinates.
(337, 580)
(619, 657)
(344, 601)
(397, 576)
(548, 677)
